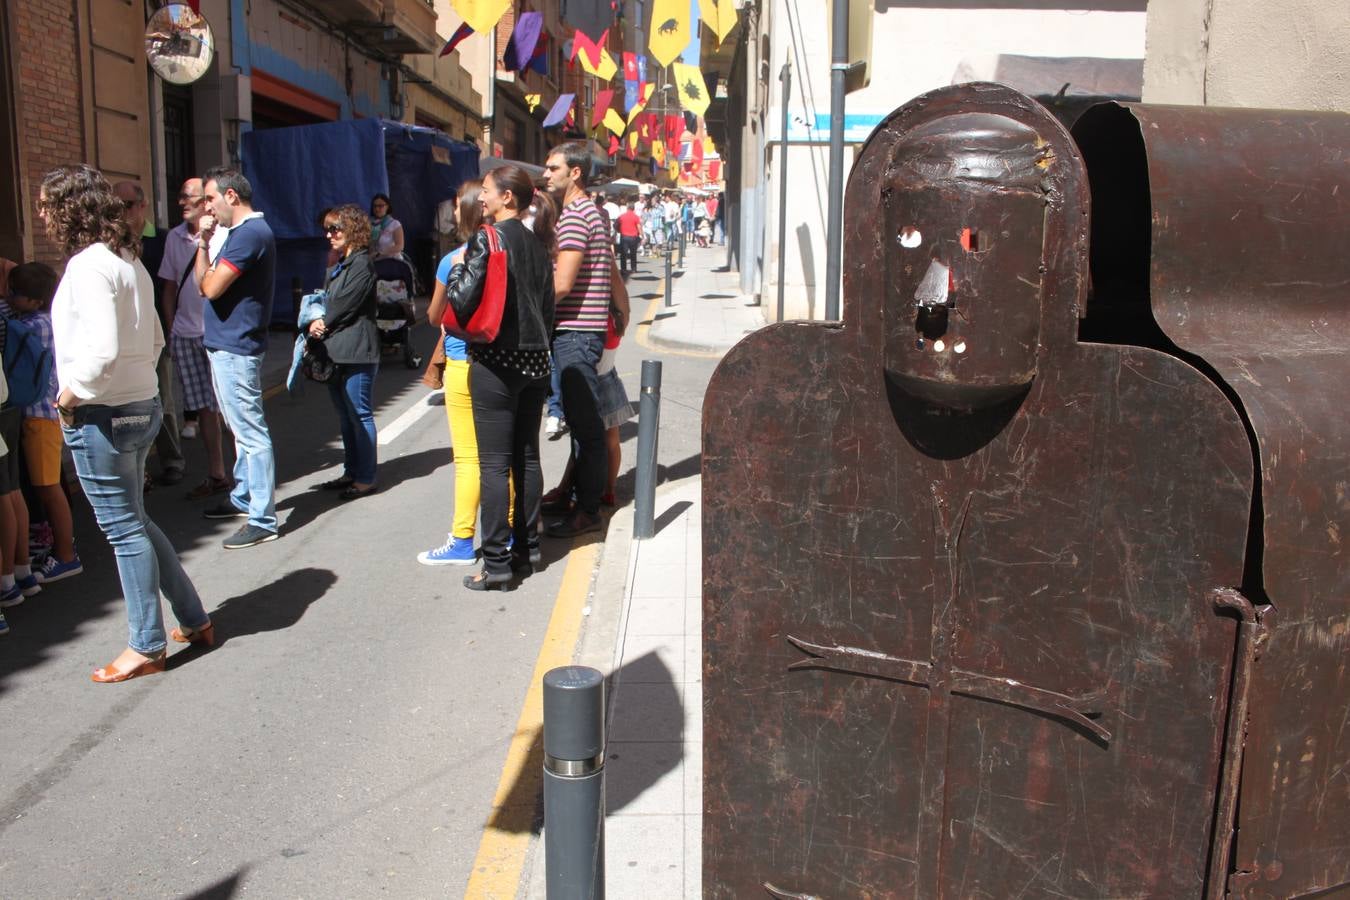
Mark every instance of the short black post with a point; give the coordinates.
(574, 783)
(668, 275)
(649, 424)
(684, 236)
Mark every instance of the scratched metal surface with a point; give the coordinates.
(959, 636)
(1249, 221)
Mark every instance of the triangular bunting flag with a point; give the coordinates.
(674, 130)
(599, 112)
(561, 107)
(632, 144)
(613, 143)
(693, 91)
(644, 95)
(460, 34)
(608, 68)
(719, 16)
(520, 48)
(481, 15)
(590, 51)
(532, 101)
(614, 121)
(668, 33)
(658, 151)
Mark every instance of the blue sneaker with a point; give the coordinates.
(11, 597)
(28, 584)
(454, 552)
(53, 569)
(4, 626)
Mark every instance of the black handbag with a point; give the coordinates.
(315, 364)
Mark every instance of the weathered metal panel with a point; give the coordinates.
(961, 636)
(1248, 221)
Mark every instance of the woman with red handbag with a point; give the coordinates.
(508, 370)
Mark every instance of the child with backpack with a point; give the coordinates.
(33, 286)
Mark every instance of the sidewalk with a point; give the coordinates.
(708, 314)
(645, 630)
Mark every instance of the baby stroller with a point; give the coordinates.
(394, 283)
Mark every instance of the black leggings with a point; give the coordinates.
(506, 409)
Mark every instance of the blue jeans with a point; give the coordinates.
(555, 406)
(109, 445)
(575, 356)
(350, 389)
(238, 382)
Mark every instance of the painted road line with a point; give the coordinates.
(408, 419)
(500, 861)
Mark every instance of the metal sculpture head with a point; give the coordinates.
(977, 253)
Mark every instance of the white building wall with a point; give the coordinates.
(914, 49)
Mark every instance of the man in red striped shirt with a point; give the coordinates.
(589, 290)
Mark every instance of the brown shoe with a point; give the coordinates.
(210, 487)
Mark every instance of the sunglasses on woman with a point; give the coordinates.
(332, 229)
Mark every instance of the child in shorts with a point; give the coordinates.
(33, 286)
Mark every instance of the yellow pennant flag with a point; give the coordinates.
(532, 101)
(674, 170)
(658, 151)
(693, 90)
(639, 106)
(669, 30)
(614, 121)
(709, 148)
(632, 141)
(718, 15)
(481, 15)
(608, 68)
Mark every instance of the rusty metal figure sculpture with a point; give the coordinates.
(978, 594)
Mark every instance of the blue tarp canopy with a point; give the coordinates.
(298, 172)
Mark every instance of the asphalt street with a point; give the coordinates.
(346, 735)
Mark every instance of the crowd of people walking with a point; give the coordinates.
(539, 259)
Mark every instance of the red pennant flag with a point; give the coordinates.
(674, 129)
(696, 151)
(714, 168)
(602, 101)
(592, 50)
(613, 145)
(460, 34)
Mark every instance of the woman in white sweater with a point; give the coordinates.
(107, 340)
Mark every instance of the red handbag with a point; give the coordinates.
(486, 320)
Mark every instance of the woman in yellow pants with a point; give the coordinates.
(458, 549)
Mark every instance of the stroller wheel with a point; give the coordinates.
(411, 358)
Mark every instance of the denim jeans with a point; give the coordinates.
(109, 445)
(555, 404)
(575, 357)
(506, 407)
(350, 389)
(238, 382)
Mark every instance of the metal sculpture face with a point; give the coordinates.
(964, 199)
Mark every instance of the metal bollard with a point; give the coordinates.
(649, 424)
(668, 275)
(683, 237)
(574, 783)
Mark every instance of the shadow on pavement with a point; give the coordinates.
(224, 889)
(271, 607)
(304, 507)
(670, 515)
(523, 808)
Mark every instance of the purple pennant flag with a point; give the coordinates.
(520, 49)
(560, 109)
(630, 95)
(642, 67)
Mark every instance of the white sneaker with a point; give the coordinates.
(551, 426)
(189, 430)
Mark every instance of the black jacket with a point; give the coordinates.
(349, 312)
(527, 318)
